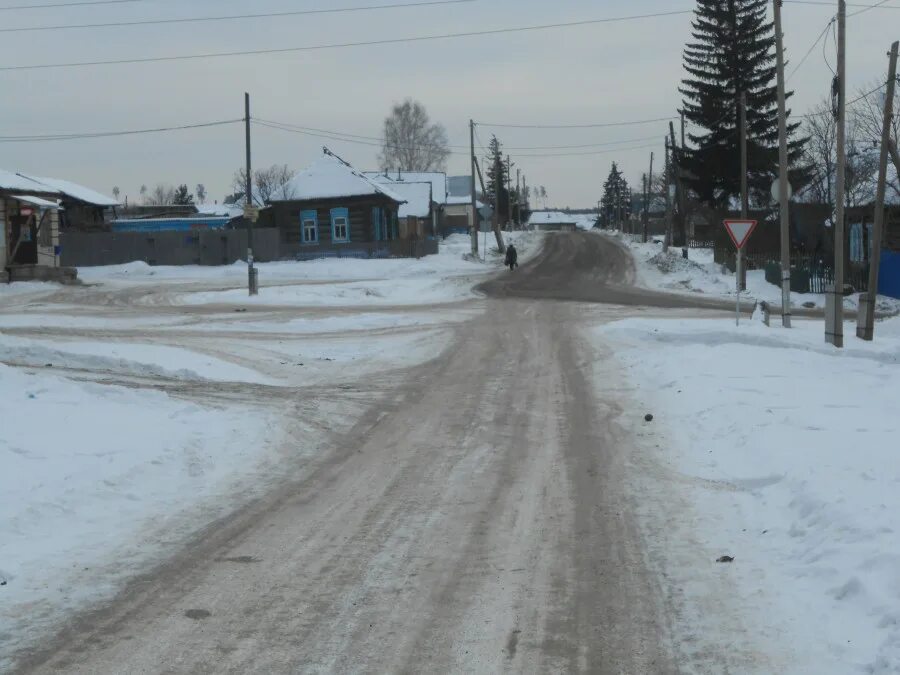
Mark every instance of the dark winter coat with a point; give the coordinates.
(512, 256)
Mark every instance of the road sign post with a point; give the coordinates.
(739, 231)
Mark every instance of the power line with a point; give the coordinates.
(84, 3)
(811, 48)
(877, 5)
(233, 17)
(343, 45)
(108, 134)
(830, 3)
(576, 126)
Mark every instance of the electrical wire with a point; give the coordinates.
(877, 5)
(343, 45)
(358, 141)
(83, 3)
(830, 3)
(109, 134)
(233, 17)
(811, 48)
(576, 126)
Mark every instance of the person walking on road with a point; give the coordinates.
(512, 258)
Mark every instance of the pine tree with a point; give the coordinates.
(732, 52)
(496, 175)
(182, 196)
(616, 201)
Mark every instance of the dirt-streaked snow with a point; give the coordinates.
(770, 446)
(131, 419)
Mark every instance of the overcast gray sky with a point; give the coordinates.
(581, 75)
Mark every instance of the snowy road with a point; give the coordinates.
(477, 517)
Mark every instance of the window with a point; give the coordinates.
(309, 224)
(340, 225)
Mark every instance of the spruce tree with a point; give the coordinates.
(616, 201)
(733, 52)
(496, 177)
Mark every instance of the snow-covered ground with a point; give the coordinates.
(152, 400)
(776, 449)
(699, 274)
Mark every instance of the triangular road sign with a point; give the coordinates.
(740, 231)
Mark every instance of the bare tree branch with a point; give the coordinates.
(411, 142)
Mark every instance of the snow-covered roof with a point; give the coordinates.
(38, 202)
(331, 177)
(75, 191)
(550, 217)
(460, 200)
(438, 181)
(229, 210)
(418, 199)
(14, 181)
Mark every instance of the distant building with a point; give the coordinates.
(332, 208)
(552, 221)
(32, 212)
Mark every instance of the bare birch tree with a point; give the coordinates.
(868, 116)
(411, 142)
(273, 181)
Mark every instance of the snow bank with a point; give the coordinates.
(94, 479)
(786, 451)
(125, 358)
(699, 274)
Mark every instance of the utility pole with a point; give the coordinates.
(783, 165)
(518, 199)
(834, 301)
(525, 190)
(679, 188)
(649, 198)
(498, 185)
(508, 193)
(475, 215)
(865, 327)
(252, 277)
(644, 210)
(668, 177)
(745, 196)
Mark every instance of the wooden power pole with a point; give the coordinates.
(475, 215)
(649, 198)
(783, 166)
(865, 327)
(668, 178)
(252, 278)
(834, 301)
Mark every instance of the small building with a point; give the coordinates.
(439, 192)
(332, 206)
(29, 228)
(419, 215)
(81, 208)
(552, 221)
(188, 224)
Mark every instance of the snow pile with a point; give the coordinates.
(94, 478)
(701, 274)
(784, 450)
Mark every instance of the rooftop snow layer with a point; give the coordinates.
(438, 181)
(418, 199)
(74, 190)
(329, 177)
(548, 217)
(14, 181)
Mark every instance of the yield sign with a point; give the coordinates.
(740, 231)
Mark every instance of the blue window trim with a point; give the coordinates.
(313, 216)
(376, 223)
(340, 213)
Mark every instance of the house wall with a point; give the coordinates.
(48, 241)
(286, 217)
(81, 216)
